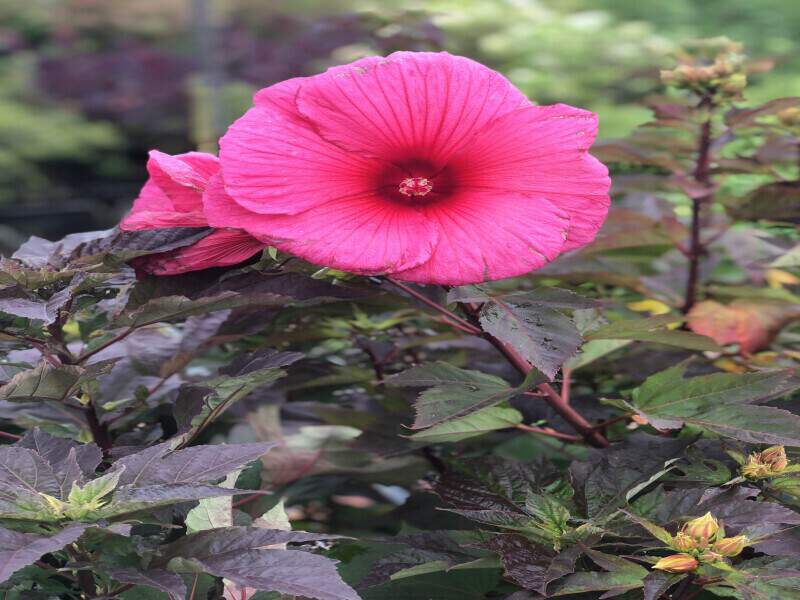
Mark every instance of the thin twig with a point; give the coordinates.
(550, 432)
(464, 325)
(194, 587)
(10, 436)
(566, 380)
(117, 338)
(99, 431)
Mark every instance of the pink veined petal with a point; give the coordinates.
(281, 96)
(486, 235)
(150, 200)
(542, 151)
(361, 234)
(153, 210)
(219, 249)
(421, 102)
(223, 211)
(138, 221)
(183, 177)
(277, 164)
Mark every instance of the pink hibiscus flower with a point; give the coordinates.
(173, 197)
(426, 166)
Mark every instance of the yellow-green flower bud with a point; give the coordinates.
(709, 556)
(766, 463)
(677, 563)
(731, 546)
(790, 117)
(775, 457)
(683, 542)
(702, 529)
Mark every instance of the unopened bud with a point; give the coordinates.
(766, 463)
(790, 117)
(677, 563)
(683, 542)
(731, 546)
(709, 556)
(775, 457)
(702, 529)
(734, 83)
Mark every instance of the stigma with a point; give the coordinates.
(415, 186)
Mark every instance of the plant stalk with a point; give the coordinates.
(702, 175)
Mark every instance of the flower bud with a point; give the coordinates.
(789, 117)
(677, 563)
(766, 463)
(709, 556)
(731, 546)
(702, 529)
(734, 83)
(775, 457)
(683, 542)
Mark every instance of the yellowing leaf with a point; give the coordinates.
(751, 325)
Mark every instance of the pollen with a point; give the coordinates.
(416, 186)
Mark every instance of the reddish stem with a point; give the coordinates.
(566, 381)
(10, 436)
(702, 175)
(549, 432)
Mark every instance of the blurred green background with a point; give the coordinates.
(88, 86)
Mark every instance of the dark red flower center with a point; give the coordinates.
(415, 181)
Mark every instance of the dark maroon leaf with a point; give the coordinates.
(525, 563)
(158, 465)
(19, 550)
(22, 468)
(244, 555)
(163, 581)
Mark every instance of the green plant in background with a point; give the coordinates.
(36, 135)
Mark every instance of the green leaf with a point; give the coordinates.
(551, 514)
(483, 421)
(656, 531)
(670, 393)
(616, 564)
(48, 382)
(213, 512)
(653, 329)
(722, 403)
(580, 583)
(593, 350)
(198, 406)
(530, 323)
(454, 393)
(752, 424)
(94, 491)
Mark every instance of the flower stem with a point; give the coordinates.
(453, 319)
(702, 175)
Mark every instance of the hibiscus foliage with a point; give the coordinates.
(622, 422)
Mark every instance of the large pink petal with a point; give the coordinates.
(281, 96)
(363, 234)
(485, 235)
(277, 164)
(219, 249)
(153, 210)
(182, 178)
(421, 103)
(542, 150)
